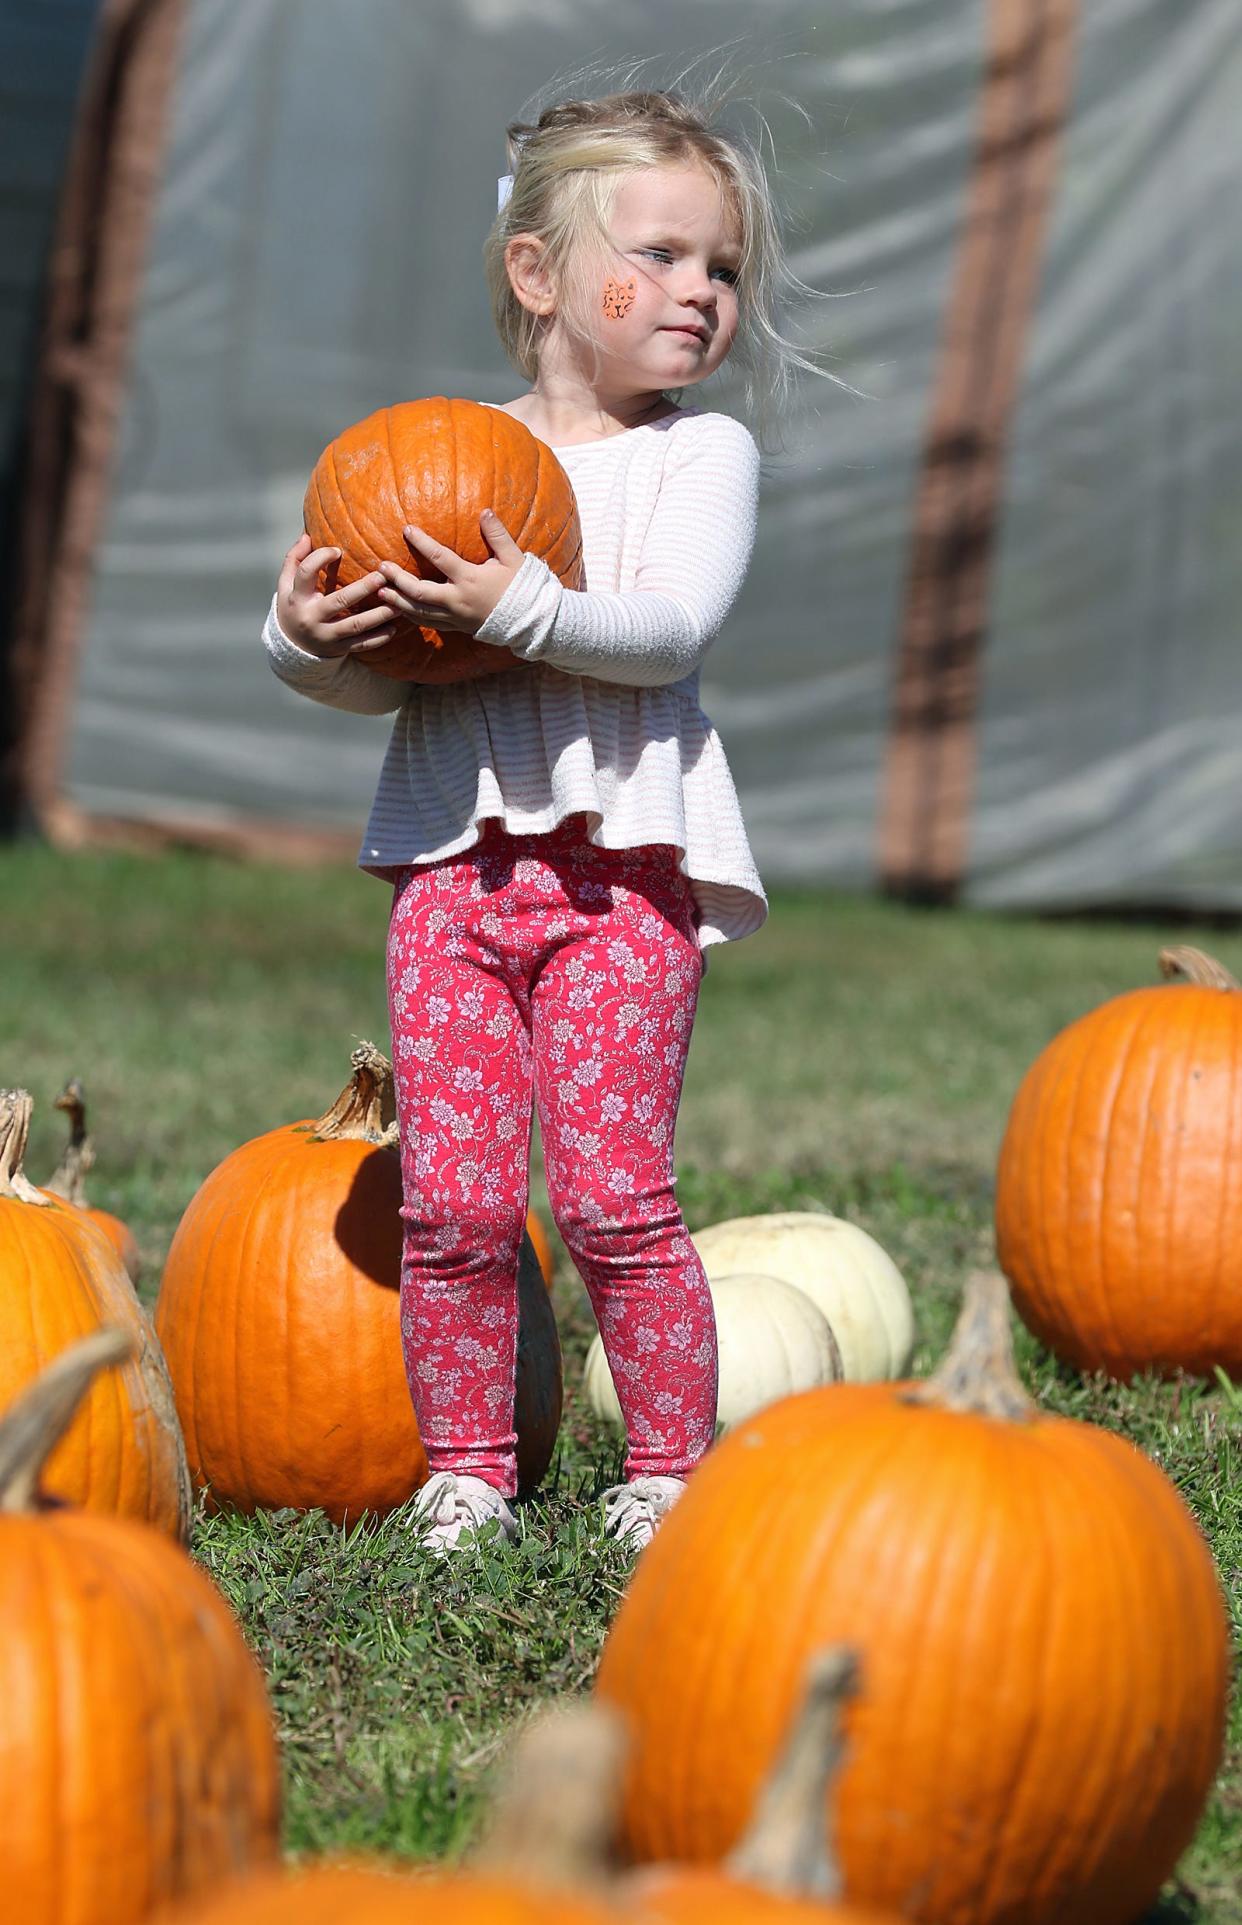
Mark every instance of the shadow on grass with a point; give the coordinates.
(1176, 1908)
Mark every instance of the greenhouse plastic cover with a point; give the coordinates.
(329, 180)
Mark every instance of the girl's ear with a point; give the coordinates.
(528, 276)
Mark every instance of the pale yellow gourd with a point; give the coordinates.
(773, 1341)
(839, 1267)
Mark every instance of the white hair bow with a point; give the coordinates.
(504, 187)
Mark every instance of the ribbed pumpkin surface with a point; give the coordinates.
(440, 463)
(280, 1319)
(137, 1758)
(62, 1279)
(1119, 1188)
(345, 1896)
(1041, 1642)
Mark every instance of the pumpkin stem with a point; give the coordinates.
(15, 1108)
(366, 1109)
(69, 1179)
(787, 1847)
(978, 1372)
(34, 1424)
(1197, 967)
(556, 1812)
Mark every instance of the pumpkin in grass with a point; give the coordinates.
(439, 463)
(838, 1266)
(771, 1339)
(60, 1278)
(1119, 1186)
(138, 1761)
(69, 1179)
(1042, 1642)
(279, 1313)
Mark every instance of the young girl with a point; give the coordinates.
(564, 838)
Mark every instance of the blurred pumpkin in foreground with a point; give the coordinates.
(138, 1759)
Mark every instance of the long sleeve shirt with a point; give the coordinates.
(600, 712)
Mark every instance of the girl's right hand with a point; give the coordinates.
(328, 624)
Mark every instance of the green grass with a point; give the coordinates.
(854, 1057)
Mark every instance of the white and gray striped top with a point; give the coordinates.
(600, 712)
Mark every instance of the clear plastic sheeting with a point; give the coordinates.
(1110, 742)
(329, 180)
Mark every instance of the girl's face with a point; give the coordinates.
(666, 308)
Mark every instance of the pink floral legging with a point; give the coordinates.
(537, 964)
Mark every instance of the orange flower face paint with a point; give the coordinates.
(619, 297)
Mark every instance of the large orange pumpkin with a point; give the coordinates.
(1119, 1188)
(439, 463)
(137, 1757)
(69, 1179)
(59, 1279)
(1040, 1631)
(279, 1314)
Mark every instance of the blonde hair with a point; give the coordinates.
(566, 169)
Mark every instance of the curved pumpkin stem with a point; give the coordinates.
(555, 1815)
(1197, 967)
(69, 1178)
(15, 1108)
(978, 1372)
(33, 1425)
(787, 1847)
(366, 1109)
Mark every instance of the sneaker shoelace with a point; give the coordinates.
(447, 1505)
(632, 1511)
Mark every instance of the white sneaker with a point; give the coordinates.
(632, 1511)
(452, 1507)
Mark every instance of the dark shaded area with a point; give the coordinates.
(1157, 915)
(368, 1223)
(917, 891)
(43, 52)
(1180, 1908)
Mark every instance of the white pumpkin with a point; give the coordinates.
(844, 1272)
(773, 1340)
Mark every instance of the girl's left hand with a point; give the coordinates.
(467, 595)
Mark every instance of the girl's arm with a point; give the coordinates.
(693, 562)
(335, 680)
(308, 635)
